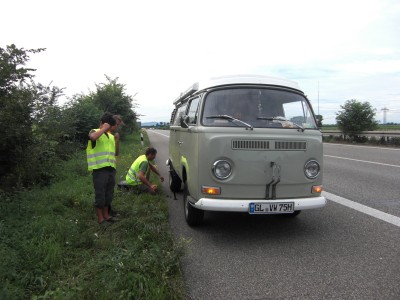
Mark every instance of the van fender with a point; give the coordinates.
(185, 168)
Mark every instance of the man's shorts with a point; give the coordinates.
(104, 182)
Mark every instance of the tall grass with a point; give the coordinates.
(51, 246)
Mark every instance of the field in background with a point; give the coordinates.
(380, 127)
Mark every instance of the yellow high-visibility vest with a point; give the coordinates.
(132, 177)
(103, 154)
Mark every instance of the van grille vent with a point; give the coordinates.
(250, 144)
(290, 145)
(270, 145)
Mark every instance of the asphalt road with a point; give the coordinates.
(336, 252)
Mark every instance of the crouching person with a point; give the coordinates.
(139, 173)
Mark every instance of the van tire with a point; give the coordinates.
(193, 216)
(175, 182)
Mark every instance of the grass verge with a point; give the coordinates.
(51, 246)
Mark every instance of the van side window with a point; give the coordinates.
(180, 111)
(193, 111)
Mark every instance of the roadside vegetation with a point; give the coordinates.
(363, 140)
(51, 246)
(381, 127)
(38, 132)
(393, 141)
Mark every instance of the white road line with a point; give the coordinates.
(365, 147)
(365, 161)
(158, 133)
(364, 209)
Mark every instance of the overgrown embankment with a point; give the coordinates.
(51, 246)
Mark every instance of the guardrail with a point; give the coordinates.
(387, 135)
(394, 133)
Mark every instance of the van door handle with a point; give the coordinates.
(180, 142)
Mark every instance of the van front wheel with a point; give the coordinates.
(193, 215)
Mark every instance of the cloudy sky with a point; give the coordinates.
(336, 50)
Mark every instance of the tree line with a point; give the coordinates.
(37, 131)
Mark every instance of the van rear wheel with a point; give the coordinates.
(193, 215)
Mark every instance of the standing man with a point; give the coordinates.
(139, 172)
(100, 154)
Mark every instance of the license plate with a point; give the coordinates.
(271, 207)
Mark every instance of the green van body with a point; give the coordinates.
(245, 143)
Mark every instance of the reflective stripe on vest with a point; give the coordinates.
(132, 177)
(103, 154)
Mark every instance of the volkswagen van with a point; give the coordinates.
(245, 143)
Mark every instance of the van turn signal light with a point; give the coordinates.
(210, 190)
(316, 189)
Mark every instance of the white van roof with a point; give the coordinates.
(237, 79)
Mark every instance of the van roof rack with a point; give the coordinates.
(190, 91)
(236, 79)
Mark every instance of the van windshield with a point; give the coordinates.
(257, 107)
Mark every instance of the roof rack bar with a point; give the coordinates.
(191, 90)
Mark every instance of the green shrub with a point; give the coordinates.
(373, 140)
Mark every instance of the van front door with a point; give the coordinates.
(175, 139)
(188, 141)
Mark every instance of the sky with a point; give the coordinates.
(336, 50)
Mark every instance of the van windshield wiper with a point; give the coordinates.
(226, 117)
(282, 119)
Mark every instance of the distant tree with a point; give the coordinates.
(84, 115)
(319, 118)
(50, 135)
(85, 111)
(356, 117)
(12, 71)
(111, 97)
(52, 129)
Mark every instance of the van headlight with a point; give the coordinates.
(312, 169)
(222, 169)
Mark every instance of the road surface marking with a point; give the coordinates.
(365, 147)
(364, 209)
(365, 161)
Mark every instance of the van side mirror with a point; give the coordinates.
(184, 120)
(319, 119)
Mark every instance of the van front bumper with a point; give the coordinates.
(243, 205)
